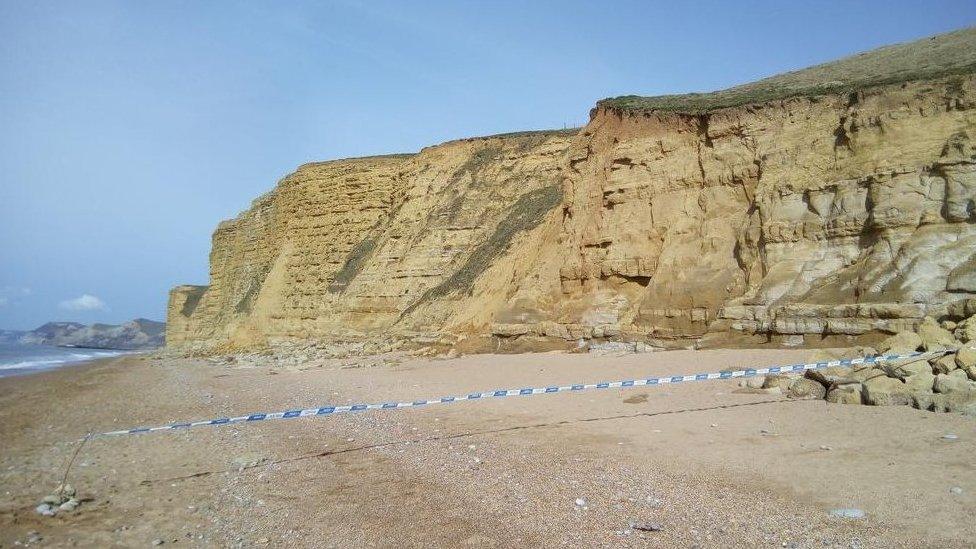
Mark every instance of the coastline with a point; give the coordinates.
(711, 465)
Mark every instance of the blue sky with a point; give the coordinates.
(128, 130)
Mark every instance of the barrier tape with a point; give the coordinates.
(332, 410)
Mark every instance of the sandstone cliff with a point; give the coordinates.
(831, 205)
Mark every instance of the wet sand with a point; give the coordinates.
(710, 466)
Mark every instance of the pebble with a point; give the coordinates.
(581, 504)
(69, 505)
(825, 447)
(950, 436)
(955, 490)
(157, 541)
(45, 509)
(848, 513)
(647, 526)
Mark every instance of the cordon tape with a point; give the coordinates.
(332, 410)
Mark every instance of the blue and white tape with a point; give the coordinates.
(332, 410)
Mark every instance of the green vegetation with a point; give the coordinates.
(940, 56)
(525, 214)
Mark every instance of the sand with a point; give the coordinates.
(711, 467)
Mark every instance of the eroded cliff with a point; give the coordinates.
(840, 211)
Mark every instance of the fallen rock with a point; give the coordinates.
(922, 381)
(69, 505)
(830, 375)
(848, 393)
(933, 336)
(755, 382)
(803, 388)
(886, 391)
(966, 330)
(781, 382)
(903, 370)
(965, 358)
(943, 364)
(867, 372)
(924, 400)
(901, 343)
(956, 381)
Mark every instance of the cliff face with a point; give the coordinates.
(349, 248)
(833, 214)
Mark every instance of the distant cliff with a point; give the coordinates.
(136, 334)
(830, 205)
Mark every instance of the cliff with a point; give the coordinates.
(831, 205)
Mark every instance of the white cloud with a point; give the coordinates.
(85, 302)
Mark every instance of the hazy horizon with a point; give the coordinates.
(132, 129)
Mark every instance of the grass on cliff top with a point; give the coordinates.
(939, 56)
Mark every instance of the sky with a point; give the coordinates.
(128, 130)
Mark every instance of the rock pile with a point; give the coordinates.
(62, 499)
(941, 382)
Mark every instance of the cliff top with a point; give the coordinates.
(934, 57)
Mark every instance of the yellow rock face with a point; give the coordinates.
(379, 245)
(847, 216)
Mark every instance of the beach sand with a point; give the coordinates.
(710, 466)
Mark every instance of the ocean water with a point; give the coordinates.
(18, 359)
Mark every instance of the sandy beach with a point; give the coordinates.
(700, 463)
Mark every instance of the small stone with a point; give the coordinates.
(825, 447)
(69, 505)
(950, 436)
(848, 513)
(67, 490)
(955, 490)
(580, 502)
(45, 509)
(158, 541)
(647, 526)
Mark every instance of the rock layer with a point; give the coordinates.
(819, 218)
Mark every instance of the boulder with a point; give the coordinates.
(830, 375)
(935, 337)
(886, 391)
(966, 330)
(964, 403)
(901, 343)
(847, 393)
(780, 381)
(920, 382)
(924, 400)
(902, 370)
(943, 364)
(955, 381)
(865, 373)
(803, 388)
(965, 357)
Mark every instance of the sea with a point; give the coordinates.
(17, 359)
